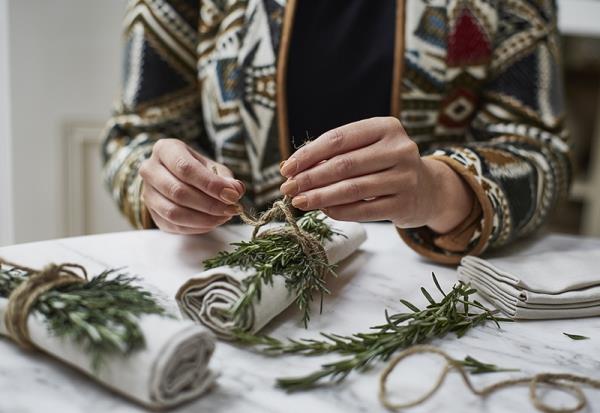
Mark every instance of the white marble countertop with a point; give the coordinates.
(374, 279)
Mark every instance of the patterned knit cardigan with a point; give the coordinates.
(476, 83)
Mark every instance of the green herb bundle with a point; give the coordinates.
(281, 255)
(452, 314)
(100, 315)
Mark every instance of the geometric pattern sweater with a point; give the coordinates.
(476, 83)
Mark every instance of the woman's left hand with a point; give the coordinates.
(371, 170)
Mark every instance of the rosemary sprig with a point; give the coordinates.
(100, 315)
(474, 366)
(279, 255)
(450, 314)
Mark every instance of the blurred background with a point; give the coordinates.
(59, 74)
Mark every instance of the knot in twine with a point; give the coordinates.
(23, 298)
(282, 209)
(563, 382)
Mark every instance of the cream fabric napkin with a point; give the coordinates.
(545, 285)
(171, 369)
(208, 296)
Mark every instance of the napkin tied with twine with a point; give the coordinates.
(171, 369)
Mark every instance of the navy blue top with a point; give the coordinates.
(340, 64)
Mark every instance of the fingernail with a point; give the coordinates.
(232, 210)
(289, 167)
(229, 196)
(281, 164)
(300, 201)
(290, 187)
(243, 185)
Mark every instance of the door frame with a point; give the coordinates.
(6, 185)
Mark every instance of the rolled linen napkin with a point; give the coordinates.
(546, 285)
(171, 369)
(207, 297)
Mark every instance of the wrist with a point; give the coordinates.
(450, 197)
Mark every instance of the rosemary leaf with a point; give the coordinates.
(576, 336)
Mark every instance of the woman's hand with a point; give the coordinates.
(371, 170)
(183, 193)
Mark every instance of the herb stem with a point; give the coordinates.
(401, 330)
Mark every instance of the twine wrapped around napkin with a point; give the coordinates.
(208, 297)
(546, 285)
(171, 369)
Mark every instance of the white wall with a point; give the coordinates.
(579, 17)
(6, 195)
(65, 58)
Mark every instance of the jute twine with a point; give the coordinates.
(23, 298)
(282, 210)
(563, 382)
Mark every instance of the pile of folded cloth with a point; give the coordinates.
(560, 282)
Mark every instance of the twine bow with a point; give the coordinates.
(564, 382)
(282, 209)
(23, 298)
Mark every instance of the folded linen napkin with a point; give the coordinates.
(171, 369)
(207, 297)
(546, 285)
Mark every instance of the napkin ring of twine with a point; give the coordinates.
(282, 209)
(24, 297)
(565, 382)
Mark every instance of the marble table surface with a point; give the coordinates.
(372, 280)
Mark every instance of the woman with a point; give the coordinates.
(444, 117)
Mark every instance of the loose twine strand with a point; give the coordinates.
(23, 298)
(564, 382)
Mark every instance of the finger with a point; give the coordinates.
(364, 211)
(181, 163)
(337, 141)
(166, 226)
(348, 191)
(182, 194)
(363, 161)
(222, 170)
(179, 215)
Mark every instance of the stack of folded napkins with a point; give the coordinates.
(545, 285)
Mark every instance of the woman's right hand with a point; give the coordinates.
(183, 193)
